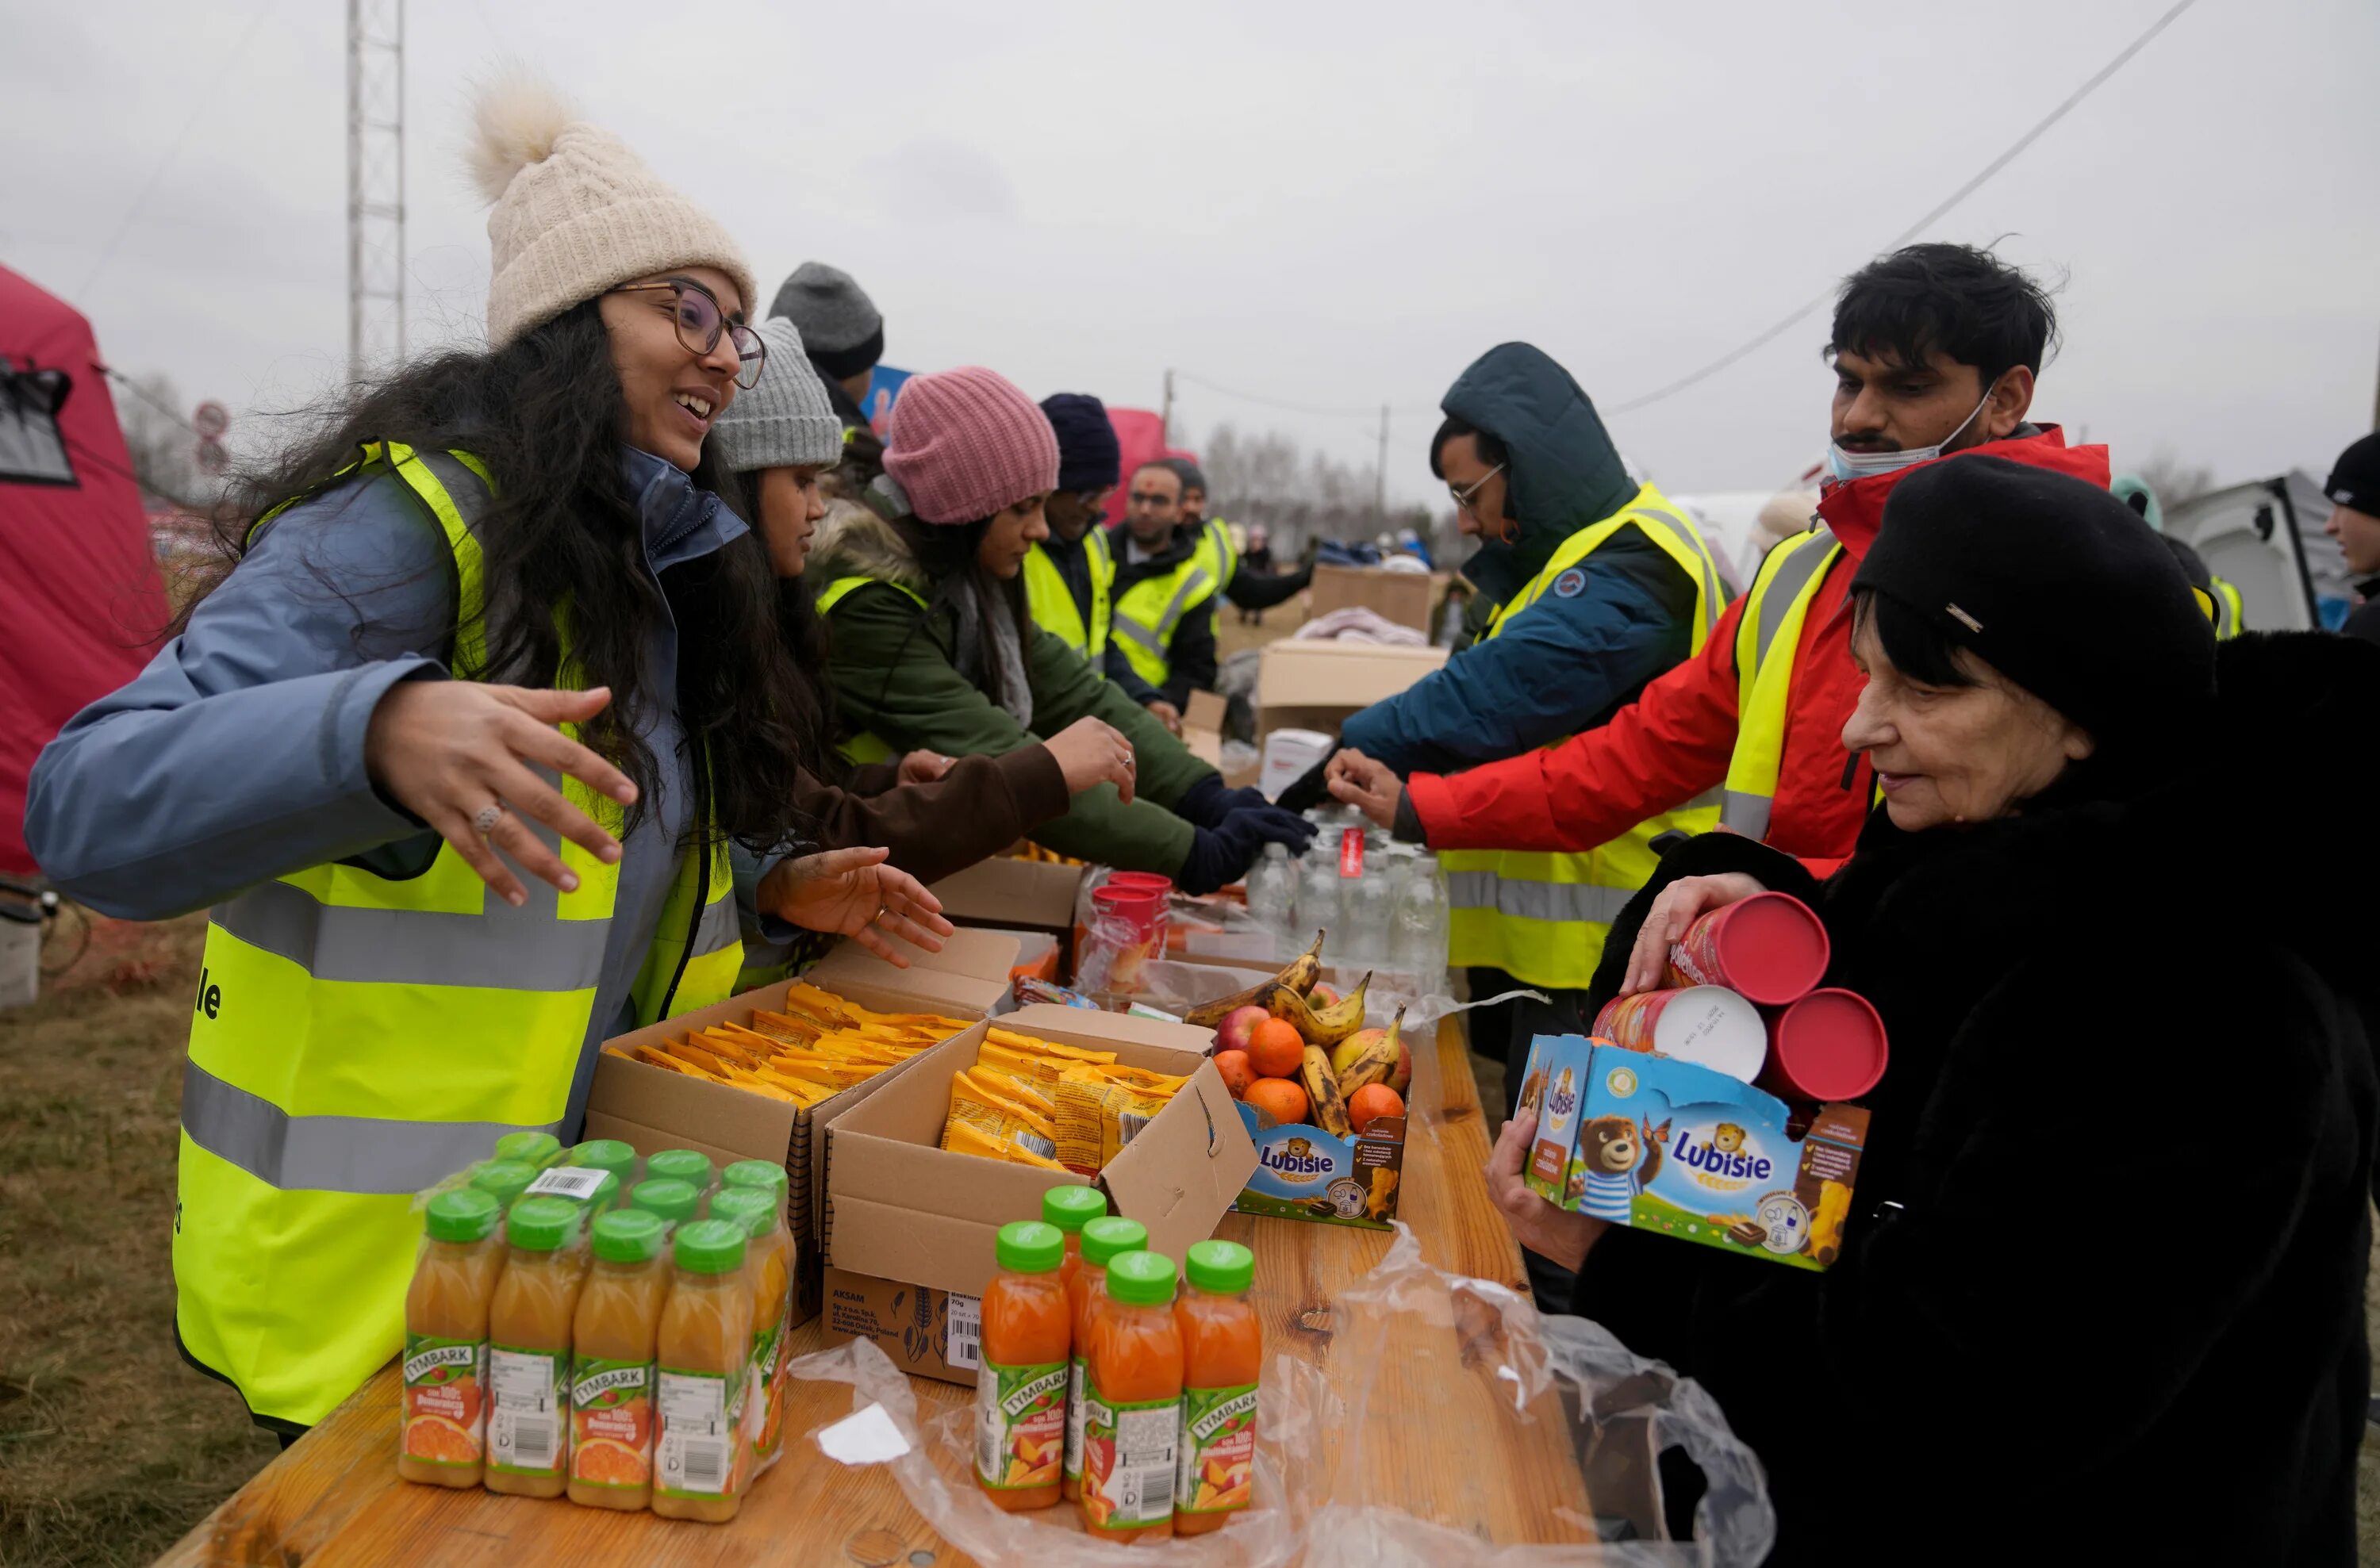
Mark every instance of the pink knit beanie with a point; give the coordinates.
(966, 443)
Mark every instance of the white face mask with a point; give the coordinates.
(1848, 465)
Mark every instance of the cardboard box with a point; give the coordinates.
(1305, 1173)
(1016, 895)
(1405, 597)
(1316, 685)
(899, 1207)
(1667, 1145)
(653, 1108)
(928, 1333)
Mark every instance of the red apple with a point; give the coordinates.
(1401, 1076)
(1321, 996)
(1231, 1034)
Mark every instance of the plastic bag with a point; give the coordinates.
(937, 1476)
(1450, 1349)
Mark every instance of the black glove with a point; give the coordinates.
(1206, 803)
(1310, 791)
(1222, 855)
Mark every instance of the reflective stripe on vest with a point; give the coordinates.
(1544, 917)
(1051, 602)
(865, 745)
(1147, 614)
(1217, 553)
(2230, 619)
(1788, 579)
(357, 1038)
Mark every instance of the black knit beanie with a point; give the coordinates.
(2355, 477)
(2057, 584)
(1088, 457)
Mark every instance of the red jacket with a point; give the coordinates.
(1674, 741)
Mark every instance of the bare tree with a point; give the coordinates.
(2174, 480)
(1268, 478)
(164, 460)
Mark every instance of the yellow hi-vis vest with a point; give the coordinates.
(1051, 603)
(865, 745)
(1766, 634)
(1218, 554)
(2230, 619)
(1542, 917)
(356, 1039)
(1147, 613)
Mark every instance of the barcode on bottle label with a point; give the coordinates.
(963, 1336)
(533, 1440)
(575, 1182)
(694, 1427)
(706, 1466)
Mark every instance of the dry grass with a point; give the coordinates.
(110, 1447)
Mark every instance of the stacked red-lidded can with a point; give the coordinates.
(1769, 949)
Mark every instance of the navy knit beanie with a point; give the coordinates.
(1088, 457)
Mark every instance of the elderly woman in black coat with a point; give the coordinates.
(2101, 1297)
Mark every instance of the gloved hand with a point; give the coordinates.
(1222, 855)
(1312, 788)
(1206, 803)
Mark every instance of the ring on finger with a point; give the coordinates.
(488, 817)
(882, 910)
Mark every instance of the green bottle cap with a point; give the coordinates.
(710, 1247)
(680, 1165)
(1141, 1279)
(758, 1173)
(1069, 1208)
(672, 1201)
(1029, 1247)
(605, 1196)
(1106, 1239)
(537, 1149)
(1225, 1267)
(464, 1214)
(750, 1207)
(508, 1179)
(606, 1154)
(627, 1235)
(540, 1224)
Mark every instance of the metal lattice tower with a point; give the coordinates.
(375, 183)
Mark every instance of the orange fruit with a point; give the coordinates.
(437, 1437)
(1373, 1099)
(1278, 1098)
(1275, 1048)
(609, 1461)
(1238, 1073)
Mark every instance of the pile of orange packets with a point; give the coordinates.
(818, 1046)
(1059, 1107)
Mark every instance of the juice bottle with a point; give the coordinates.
(704, 1348)
(688, 1166)
(608, 1154)
(1020, 1388)
(672, 1201)
(504, 1179)
(1223, 1356)
(446, 1341)
(529, 1351)
(535, 1150)
(1070, 1208)
(1132, 1402)
(1104, 1240)
(611, 1340)
(769, 1267)
(762, 1174)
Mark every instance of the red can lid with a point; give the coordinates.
(1830, 1045)
(1772, 949)
(1162, 884)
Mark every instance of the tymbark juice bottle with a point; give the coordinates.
(613, 1336)
(673, 1201)
(769, 1265)
(1132, 1402)
(1104, 1239)
(1222, 1356)
(535, 1150)
(691, 1166)
(529, 1350)
(446, 1366)
(608, 1154)
(504, 1179)
(1020, 1388)
(705, 1348)
(1070, 1208)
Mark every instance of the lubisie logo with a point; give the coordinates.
(1723, 1158)
(1296, 1160)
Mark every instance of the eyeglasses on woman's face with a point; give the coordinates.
(700, 321)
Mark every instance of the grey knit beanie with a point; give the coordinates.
(787, 419)
(841, 325)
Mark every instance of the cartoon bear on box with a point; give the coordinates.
(1615, 1160)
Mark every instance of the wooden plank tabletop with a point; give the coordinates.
(1434, 1445)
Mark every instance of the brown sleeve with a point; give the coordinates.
(873, 777)
(981, 807)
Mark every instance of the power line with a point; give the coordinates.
(1913, 230)
(1370, 412)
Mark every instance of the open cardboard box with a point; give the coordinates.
(1017, 895)
(902, 1209)
(1317, 684)
(1405, 597)
(653, 1108)
(1202, 736)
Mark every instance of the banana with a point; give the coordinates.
(1322, 1088)
(1374, 1062)
(1325, 1027)
(1305, 971)
(1298, 977)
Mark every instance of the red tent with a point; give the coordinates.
(1141, 434)
(80, 603)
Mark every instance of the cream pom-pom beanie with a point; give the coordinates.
(576, 213)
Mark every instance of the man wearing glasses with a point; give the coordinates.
(1070, 576)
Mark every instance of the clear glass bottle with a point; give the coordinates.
(1272, 894)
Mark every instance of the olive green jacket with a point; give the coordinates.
(895, 676)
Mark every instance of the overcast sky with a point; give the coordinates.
(1336, 205)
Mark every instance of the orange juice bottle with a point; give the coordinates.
(1132, 1402)
(1020, 1388)
(1104, 1240)
(705, 1350)
(535, 1150)
(691, 1166)
(608, 1154)
(768, 1177)
(1223, 1356)
(529, 1351)
(611, 1340)
(1070, 1208)
(673, 1201)
(446, 1341)
(769, 1267)
(505, 1180)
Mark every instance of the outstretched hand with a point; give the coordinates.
(1560, 1235)
(853, 893)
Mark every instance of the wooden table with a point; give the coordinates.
(334, 1496)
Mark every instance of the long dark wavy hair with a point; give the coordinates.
(801, 632)
(544, 414)
(946, 553)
